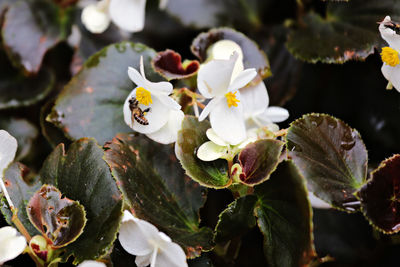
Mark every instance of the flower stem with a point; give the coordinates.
(282, 132)
(19, 224)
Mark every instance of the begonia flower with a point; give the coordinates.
(217, 148)
(215, 82)
(128, 15)
(11, 244)
(8, 149)
(91, 263)
(390, 54)
(151, 247)
(150, 110)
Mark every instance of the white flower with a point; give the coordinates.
(90, 263)
(255, 98)
(126, 14)
(217, 148)
(215, 81)
(150, 110)
(11, 244)
(8, 148)
(150, 246)
(390, 55)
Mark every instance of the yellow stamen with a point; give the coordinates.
(390, 56)
(231, 99)
(143, 96)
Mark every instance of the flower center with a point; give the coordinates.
(143, 96)
(390, 56)
(231, 99)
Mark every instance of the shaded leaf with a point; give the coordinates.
(59, 219)
(42, 23)
(253, 56)
(208, 173)
(21, 189)
(285, 218)
(90, 105)
(236, 219)
(168, 64)
(380, 196)
(53, 134)
(157, 190)
(331, 156)
(348, 31)
(82, 174)
(24, 131)
(258, 160)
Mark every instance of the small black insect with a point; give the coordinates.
(138, 113)
(395, 26)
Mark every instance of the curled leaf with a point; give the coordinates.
(168, 64)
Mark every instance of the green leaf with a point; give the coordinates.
(253, 56)
(60, 220)
(53, 134)
(285, 218)
(348, 31)
(21, 188)
(24, 131)
(156, 188)
(380, 197)
(236, 219)
(90, 105)
(82, 174)
(258, 160)
(31, 28)
(331, 156)
(212, 174)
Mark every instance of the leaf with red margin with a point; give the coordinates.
(60, 220)
(380, 197)
(258, 160)
(253, 56)
(168, 64)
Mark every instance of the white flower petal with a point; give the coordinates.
(169, 132)
(128, 14)
(389, 35)
(210, 151)
(212, 136)
(156, 116)
(135, 234)
(11, 244)
(143, 261)
(223, 50)
(163, 4)
(8, 148)
(95, 18)
(135, 76)
(214, 77)
(228, 122)
(317, 202)
(242, 79)
(90, 263)
(169, 102)
(157, 88)
(392, 74)
(171, 255)
(255, 99)
(209, 107)
(275, 114)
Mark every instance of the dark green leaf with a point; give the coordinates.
(236, 219)
(21, 189)
(380, 197)
(60, 220)
(348, 31)
(91, 104)
(208, 173)
(253, 56)
(258, 160)
(53, 134)
(331, 156)
(24, 131)
(31, 28)
(285, 218)
(82, 174)
(156, 188)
